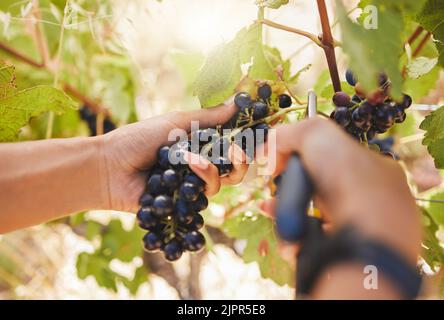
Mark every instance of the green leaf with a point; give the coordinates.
(98, 267)
(265, 62)
(120, 243)
(16, 110)
(419, 88)
(433, 124)
(407, 6)
(421, 66)
(188, 65)
(261, 246)
(273, 4)
(432, 251)
(431, 18)
(8, 84)
(372, 51)
(219, 76)
(221, 72)
(436, 209)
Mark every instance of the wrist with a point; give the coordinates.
(101, 173)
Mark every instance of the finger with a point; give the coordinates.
(205, 170)
(288, 251)
(240, 167)
(267, 207)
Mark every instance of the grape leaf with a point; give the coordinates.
(431, 18)
(16, 110)
(261, 246)
(433, 124)
(273, 4)
(116, 243)
(97, 266)
(219, 76)
(419, 88)
(407, 6)
(221, 72)
(188, 65)
(8, 84)
(120, 243)
(435, 209)
(432, 251)
(421, 66)
(372, 51)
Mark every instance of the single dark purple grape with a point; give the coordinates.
(341, 99)
(163, 206)
(402, 118)
(173, 250)
(171, 179)
(152, 241)
(146, 200)
(193, 241)
(260, 110)
(155, 185)
(284, 101)
(264, 92)
(406, 101)
(360, 122)
(162, 157)
(224, 166)
(183, 212)
(196, 224)
(200, 204)
(194, 179)
(342, 116)
(243, 101)
(384, 116)
(350, 77)
(146, 218)
(189, 192)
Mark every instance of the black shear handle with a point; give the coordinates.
(295, 193)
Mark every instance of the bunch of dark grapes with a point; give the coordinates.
(86, 114)
(175, 196)
(366, 115)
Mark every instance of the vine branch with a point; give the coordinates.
(422, 44)
(300, 32)
(21, 57)
(329, 45)
(415, 35)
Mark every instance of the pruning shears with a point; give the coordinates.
(292, 219)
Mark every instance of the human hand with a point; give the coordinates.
(353, 185)
(130, 151)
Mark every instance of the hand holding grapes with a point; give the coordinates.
(129, 152)
(354, 185)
